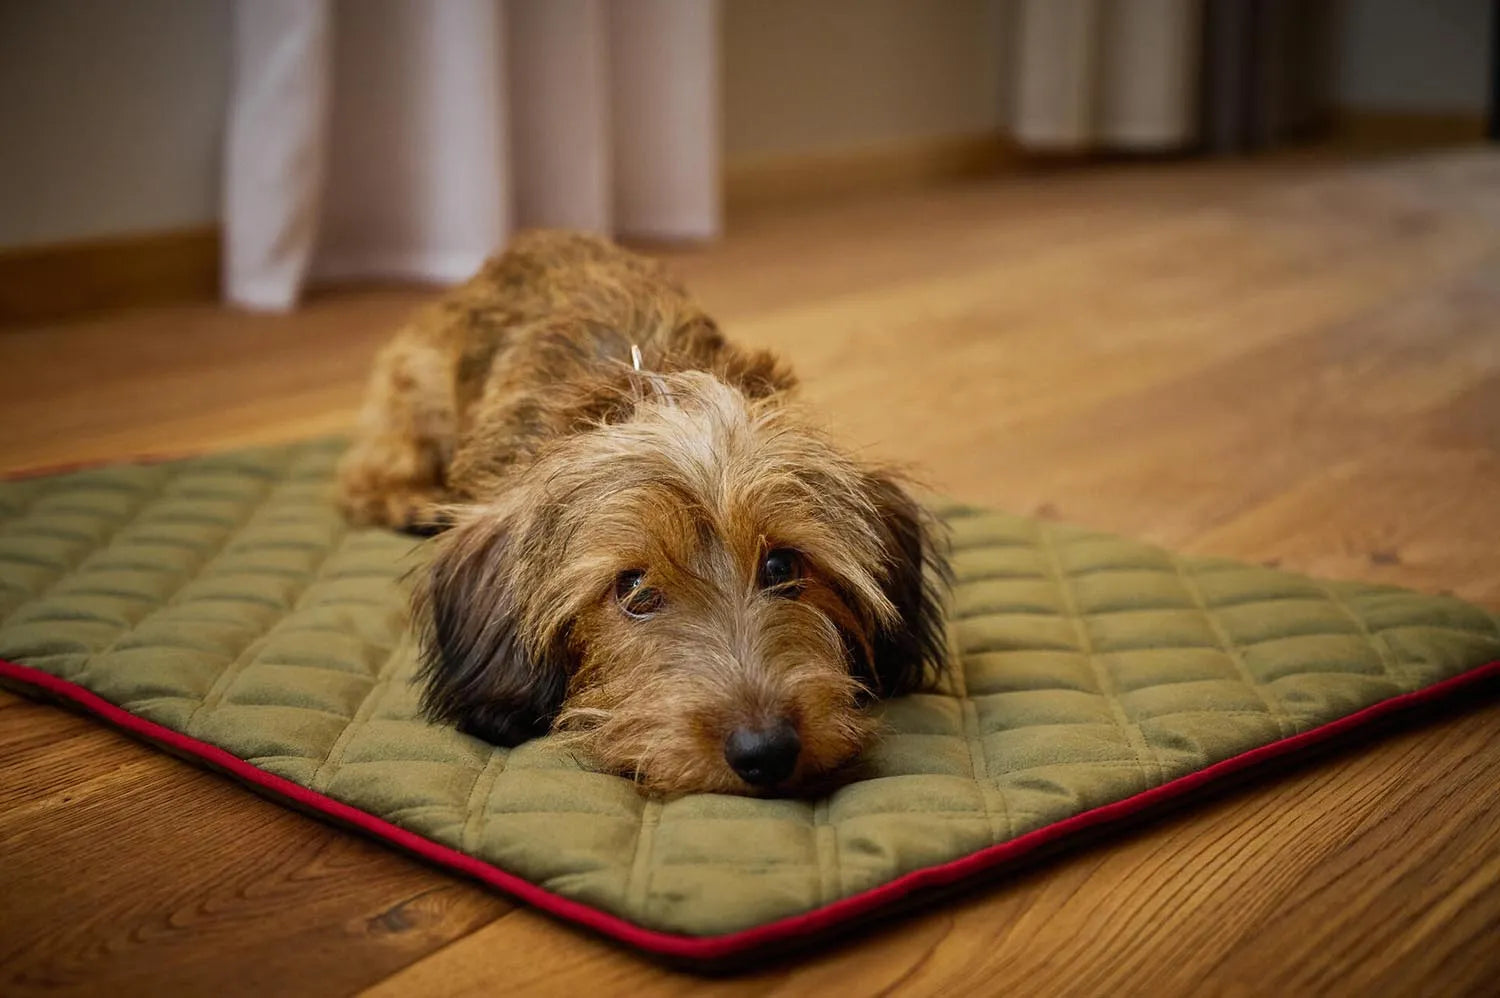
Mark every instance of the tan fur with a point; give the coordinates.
(510, 412)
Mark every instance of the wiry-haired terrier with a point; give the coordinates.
(646, 545)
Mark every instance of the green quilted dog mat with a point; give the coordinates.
(220, 607)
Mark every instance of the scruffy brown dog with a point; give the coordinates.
(647, 545)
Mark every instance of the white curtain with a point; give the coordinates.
(1107, 74)
(409, 138)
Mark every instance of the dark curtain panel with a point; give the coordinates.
(1266, 72)
(1495, 71)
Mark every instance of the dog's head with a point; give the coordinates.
(705, 591)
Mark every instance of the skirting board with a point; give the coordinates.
(1372, 130)
(797, 177)
(43, 283)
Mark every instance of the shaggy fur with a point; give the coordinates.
(664, 562)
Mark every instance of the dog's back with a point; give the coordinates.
(536, 345)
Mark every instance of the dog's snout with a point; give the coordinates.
(764, 756)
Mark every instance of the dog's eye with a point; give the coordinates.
(635, 599)
(781, 569)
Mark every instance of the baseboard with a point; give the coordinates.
(1377, 130)
(40, 283)
(865, 170)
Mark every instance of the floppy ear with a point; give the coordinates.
(912, 650)
(479, 670)
(758, 373)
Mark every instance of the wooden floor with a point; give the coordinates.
(1295, 362)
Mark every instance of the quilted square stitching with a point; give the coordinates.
(1062, 704)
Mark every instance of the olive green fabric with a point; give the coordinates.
(223, 597)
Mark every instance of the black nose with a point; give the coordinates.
(763, 756)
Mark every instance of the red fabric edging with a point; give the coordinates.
(24, 472)
(711, 948)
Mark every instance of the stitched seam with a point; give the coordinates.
(253, 643)
(439, 807)
(826, 844)
(1377, 640)
(25, 509)
(331, 762)
(479, 795)
(1142, 750)
(638, 877)
(103, 544)
(980, 770)
(978, 764)
(243, 659)
(1231, 648)
(203, 563)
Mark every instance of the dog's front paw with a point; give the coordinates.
(375, 501)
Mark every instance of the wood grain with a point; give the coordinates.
(1294, 361)
(128, 872)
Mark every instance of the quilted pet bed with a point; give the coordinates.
(218, 606)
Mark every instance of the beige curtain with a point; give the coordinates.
(1107, 74)
(409, 138)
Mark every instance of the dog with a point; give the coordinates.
(644, 543)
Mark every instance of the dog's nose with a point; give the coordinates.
(763, 756)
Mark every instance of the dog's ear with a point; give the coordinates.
(480, 670)
(758, 373)
(908, 652)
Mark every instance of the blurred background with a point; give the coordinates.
(255, 148)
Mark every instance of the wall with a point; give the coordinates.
(814, 76)
(110, 117)
(112, 110)
(1414, 55)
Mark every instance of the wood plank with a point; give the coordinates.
(128, 872)
(186, 378)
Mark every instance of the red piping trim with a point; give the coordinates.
(711, 948)
(87, 464)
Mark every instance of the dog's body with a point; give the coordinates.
(648, 546)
